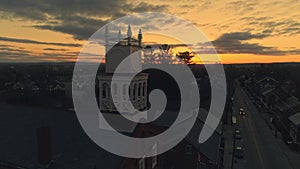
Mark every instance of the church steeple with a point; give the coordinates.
(107, 42)
(129, 34)
(119, 36)
(140, 37)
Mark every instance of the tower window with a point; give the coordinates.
(105, 90)
(139, 90)
(134, 91)
(144, 89)
(115, 89)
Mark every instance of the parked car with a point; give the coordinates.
(233, 119)
(239, 152)
(289, 141)
(237, 134)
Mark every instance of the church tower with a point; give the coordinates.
(117, 53)
(114, 56)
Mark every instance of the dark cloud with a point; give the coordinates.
(37, 42)
(80, 18)
(241, 7)
(143, 7)
(270, 25)
(290, 31)
(255, 19)
(15, 54)
(12, 49)
(78, 32)
(11, 54)
(54, 49)
(240, 36)
(235, 43)
(205, 5)
(278, 27)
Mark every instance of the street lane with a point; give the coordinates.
(261, 150)
(252, 159)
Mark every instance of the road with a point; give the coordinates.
(261, 148)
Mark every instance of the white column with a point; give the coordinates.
(141, 90)
(145, 93)
(145, 88)
(100, 95)
(131, 88)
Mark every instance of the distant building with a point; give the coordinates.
(295, 128)
(265, 84)
(287, 108)
(265, 88)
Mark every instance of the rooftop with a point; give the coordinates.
(295, 119)
(71, 147)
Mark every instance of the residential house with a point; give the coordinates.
(295, 128)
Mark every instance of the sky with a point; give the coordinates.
(242, 31)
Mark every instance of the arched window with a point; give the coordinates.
(144, 89)
(140, 90)
(134, 91)
(105, 90)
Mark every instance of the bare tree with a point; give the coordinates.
(161, 54)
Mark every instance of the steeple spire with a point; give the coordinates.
(129, 33)
(140, 37)
(119, 35)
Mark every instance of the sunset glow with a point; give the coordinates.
(241, 31)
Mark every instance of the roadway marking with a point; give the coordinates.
(249, 124)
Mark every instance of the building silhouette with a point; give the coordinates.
(117, 49)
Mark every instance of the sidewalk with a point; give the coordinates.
(228, 149)
(228, 131)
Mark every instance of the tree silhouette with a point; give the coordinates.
(186, 57)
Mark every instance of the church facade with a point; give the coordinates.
(115, 54)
